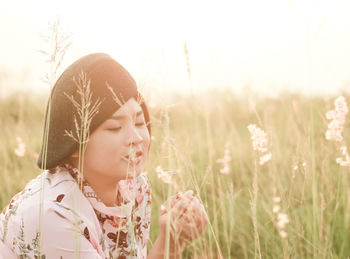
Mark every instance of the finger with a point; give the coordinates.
(202, 216)
(202, 225)
(170, 202)
(182, 197)
(188, 208)
(187, 229)
(188, 193)
(175, 198)
(189, 225)
(166, 206)
(177, 204)
(193, 208)
(162, 209)
(181, 206)
(197, 222)
(196, 214)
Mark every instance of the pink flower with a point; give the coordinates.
(225, 161)
(276, 209)
(345, 160)
(340, 105)
(21, 148)
(225, 169)
(283, 220)
(276, 199)
(259, 138)
(330, 115)
(163, 175)
(337, 117)
(259, 141)
(334, 135)
(265, 158)
(283, 234)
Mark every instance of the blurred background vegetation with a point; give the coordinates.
(189, 134)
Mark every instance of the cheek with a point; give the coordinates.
(103, 146)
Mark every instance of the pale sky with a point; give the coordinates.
(231, 44)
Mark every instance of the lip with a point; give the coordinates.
(136, 160)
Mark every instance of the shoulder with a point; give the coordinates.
(51, 204)
(45, 189)
(43, 197)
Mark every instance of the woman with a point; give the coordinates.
(93, 200)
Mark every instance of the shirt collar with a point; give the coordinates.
(130, 191)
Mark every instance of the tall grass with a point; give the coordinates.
(189, 137)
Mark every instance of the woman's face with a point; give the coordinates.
(118, 148)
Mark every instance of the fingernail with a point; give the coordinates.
(189, 193)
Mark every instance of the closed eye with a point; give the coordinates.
(119, 128)
(115, 129)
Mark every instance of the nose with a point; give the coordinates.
(135, 137)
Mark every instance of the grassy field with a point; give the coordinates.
(190, 135)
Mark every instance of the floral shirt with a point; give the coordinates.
(72, 221)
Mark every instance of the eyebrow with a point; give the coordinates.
(120, 117)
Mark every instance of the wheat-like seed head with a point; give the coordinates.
(115, 97)
(58, 43)
(85, 109)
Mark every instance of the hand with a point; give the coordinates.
(188, 218)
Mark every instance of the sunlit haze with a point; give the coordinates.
(265, 46)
